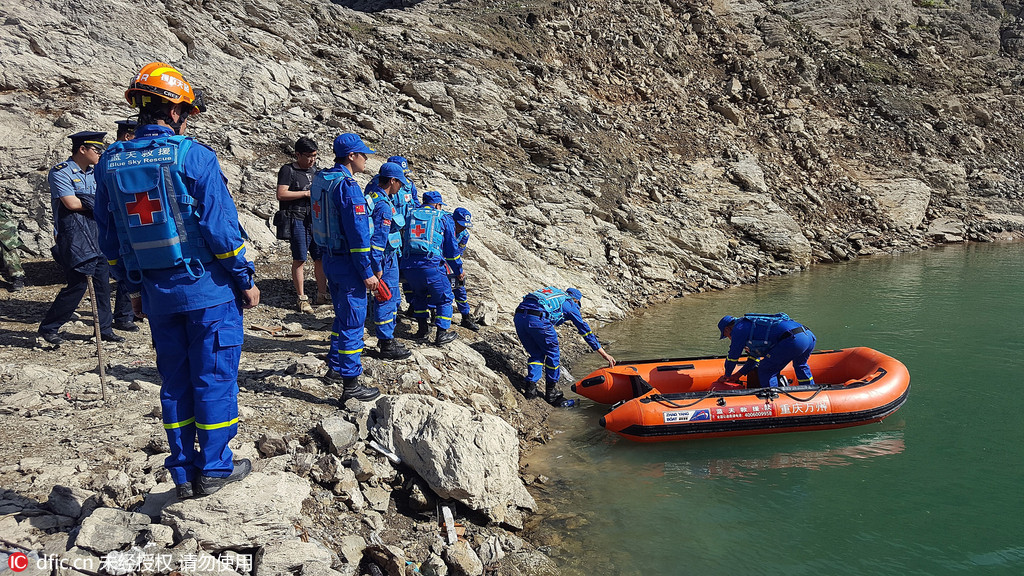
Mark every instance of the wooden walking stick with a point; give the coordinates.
(99, 339)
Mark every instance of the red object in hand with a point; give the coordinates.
(383, 292)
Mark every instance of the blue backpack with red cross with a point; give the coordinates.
(550, 299)
(328, 232)
(424, 232)
(156, 218)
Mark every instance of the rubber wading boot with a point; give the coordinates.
(467, 322)
(353, 389)
(421, 332)
(444, 336)
(304, 306)
(206, 485)
(392, 350)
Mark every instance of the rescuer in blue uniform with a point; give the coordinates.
(463, 222)
(341, 227)
(535, 320)
(770, 344)
(429, 242)
(406, 200)
(170, 229)
(72, 197)
(386, 244)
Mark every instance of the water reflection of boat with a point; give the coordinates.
(683, 398)
(863, 447)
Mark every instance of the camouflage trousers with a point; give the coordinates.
(10, 261)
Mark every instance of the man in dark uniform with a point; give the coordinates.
(124, 317)
(72, 196)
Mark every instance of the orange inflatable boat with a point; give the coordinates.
(672, 399)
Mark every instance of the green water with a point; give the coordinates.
(937, 488)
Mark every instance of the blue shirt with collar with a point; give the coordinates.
(172, 290)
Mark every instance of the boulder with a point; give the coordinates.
(289, 556)
(468, 456)
(261, 508)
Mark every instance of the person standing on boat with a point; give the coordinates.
(535, 321)
(771, 342)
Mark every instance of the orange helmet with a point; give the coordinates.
(166, 82)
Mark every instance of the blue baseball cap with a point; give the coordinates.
(574, 294)
(463, 218)
(433, 197)
(392, 170)
(348, 143)
(724, 323)
(400, 160)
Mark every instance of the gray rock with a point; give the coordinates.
(473, 458)
(109, 529)
(73, 502)
(338, 433)
(261, 508)
(351, 547)
(462, 560)
(288, 556)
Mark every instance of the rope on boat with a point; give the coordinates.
(660, 398)
(816, 392)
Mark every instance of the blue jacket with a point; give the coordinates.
(172, 290)
(346, 206)
(461, 240)
(741, 335)
(75, 231)
(385, 228)
(570, 311)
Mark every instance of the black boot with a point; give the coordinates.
(444, 336)
(353, 389)
(205, 485)
(530, 391)
(392, 350)
(421, 332)
(467, 322)
(555, 397)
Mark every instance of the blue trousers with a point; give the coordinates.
(429, 281)
(384, 312)
(796, 350)
(540, 340)
(197, 355)
(461, 298)
(70, 296)
(348, 294)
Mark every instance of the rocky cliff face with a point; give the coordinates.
(639, 149)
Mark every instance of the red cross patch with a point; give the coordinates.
(547, 291)
(418, 231)
(144, 210)
(316, 209)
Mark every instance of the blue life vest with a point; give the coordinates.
(327, 229)
(397, 219)
(404, 201)
(761, 329)
(424, 233)
(157, 219)
(551, 300)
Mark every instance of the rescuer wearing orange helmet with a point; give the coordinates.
(170, 229)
